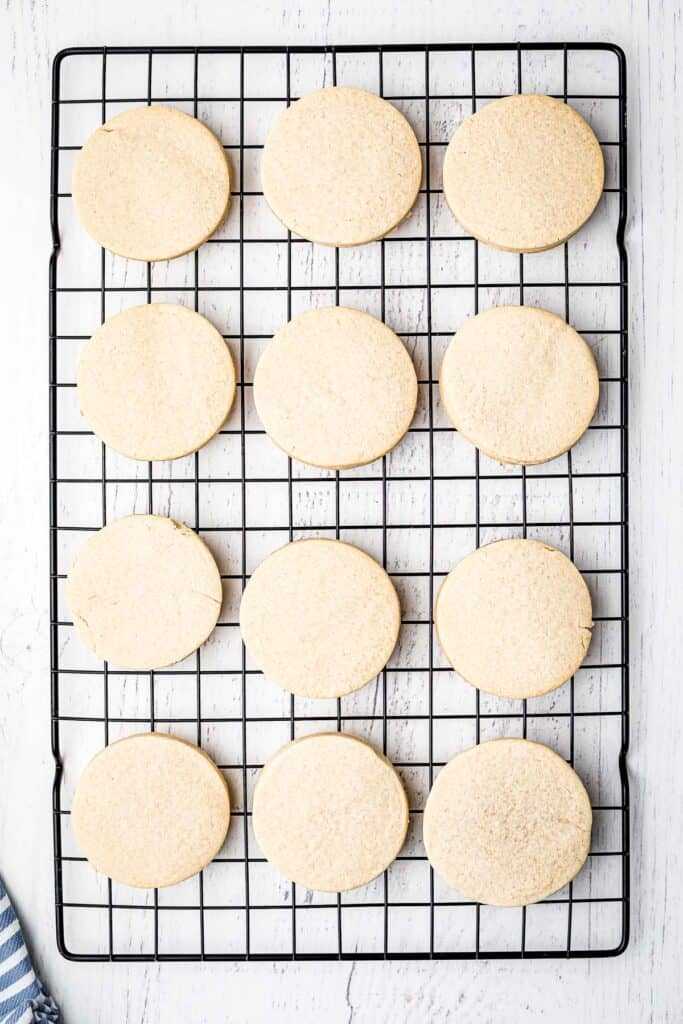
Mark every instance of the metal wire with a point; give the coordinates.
(297, 905)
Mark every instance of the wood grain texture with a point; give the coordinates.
(643, 985)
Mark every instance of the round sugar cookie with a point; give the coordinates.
(150, 810)
(335, 388)
(514, 618)
(524, 173)
(330, 813)
(507, 823)
(156, 381)
(144, 592)
(341, 167)
(151, 184)
(519, 383)
(320, 617)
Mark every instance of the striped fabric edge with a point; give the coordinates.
(23, 1000)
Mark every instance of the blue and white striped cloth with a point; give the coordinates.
(23, 1000)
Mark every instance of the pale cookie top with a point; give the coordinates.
(519, 383)
(152, 183)
(507, 823)
(341, 167)
(150, 810)
(514, 618)
(330, 813)
(320, 618)
(335, 388)
(144, 592)
(524, 173)
(156, 382)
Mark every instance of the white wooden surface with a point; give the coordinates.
(644, 984)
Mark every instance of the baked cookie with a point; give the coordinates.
(519, 383)
(156, 382)
(329, 813)
(514, 618)
(320, 617)
(507, 823)
(524, 173)
(150, 810)
(152, 183)
(335, 388)
(341, 167)
(144, 592)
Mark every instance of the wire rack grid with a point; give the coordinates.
(418, 509)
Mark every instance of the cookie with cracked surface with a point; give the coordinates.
(514, 618)
(144, 592)
(151, 183)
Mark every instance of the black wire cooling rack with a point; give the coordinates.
(418, 510)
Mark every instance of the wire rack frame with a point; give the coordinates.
(433, 902)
